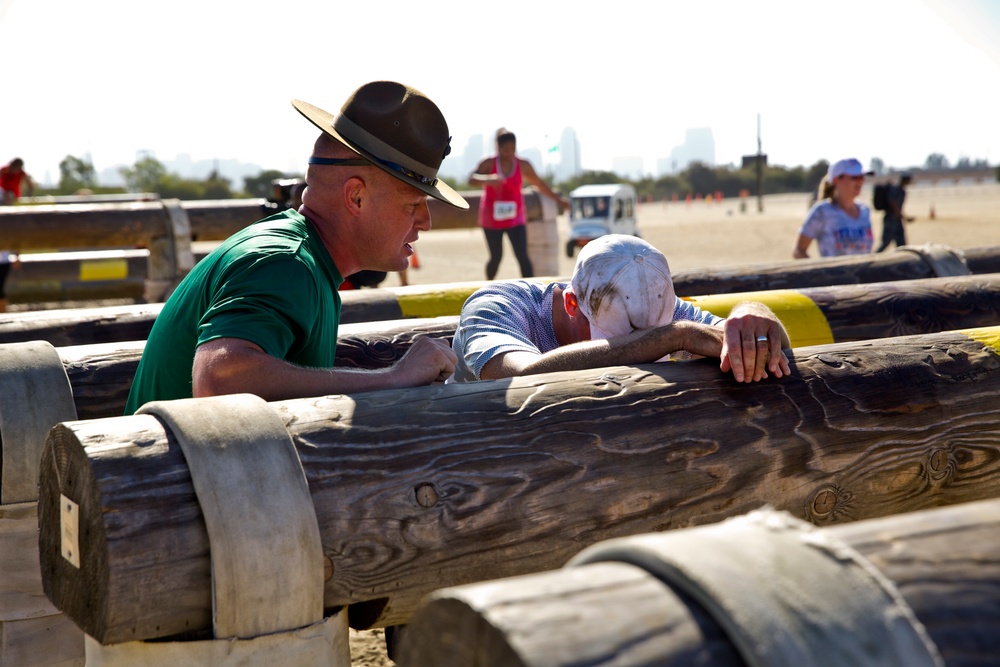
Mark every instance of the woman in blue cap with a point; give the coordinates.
(839, 223)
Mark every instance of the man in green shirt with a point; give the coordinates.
(260, 313)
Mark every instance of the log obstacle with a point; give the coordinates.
(88, 382)
(101, 374)
(434, 486)
(80, 326)
(614, 605)
(81, 275)
(34, 395)
(168, 227)
(812, 315)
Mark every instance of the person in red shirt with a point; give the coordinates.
(501, 209)
(12, 175)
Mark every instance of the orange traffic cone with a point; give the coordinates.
(414, 262)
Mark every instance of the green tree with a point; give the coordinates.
(145, 175)
(260, 185)
(593, 178)
(76, 174)
(217, 187)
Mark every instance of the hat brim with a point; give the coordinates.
(324, 121)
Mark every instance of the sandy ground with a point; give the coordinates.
(710, 235)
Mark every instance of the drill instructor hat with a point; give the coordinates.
(397, 129)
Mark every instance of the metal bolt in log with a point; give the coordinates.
(528, 471)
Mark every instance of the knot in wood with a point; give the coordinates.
(427, 495)
(940, 463)
(827, 501)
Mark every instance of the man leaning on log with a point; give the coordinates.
(260, 313)
(618, 309)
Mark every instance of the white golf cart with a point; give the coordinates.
(598, 210)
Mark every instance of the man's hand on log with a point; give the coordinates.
(752, 343)
(427, 361)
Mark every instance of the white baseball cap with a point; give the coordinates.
(622, 284)
(846, 167)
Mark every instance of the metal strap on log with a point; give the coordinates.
(35, 394)
(517, 476)
(786, 594)
(267, 560)
(170, 254)
(943, 260)
(613, 613)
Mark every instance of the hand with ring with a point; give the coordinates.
(753, 342)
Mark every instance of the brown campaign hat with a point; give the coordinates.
(396, 128)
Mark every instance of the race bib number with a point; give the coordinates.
(504, 210)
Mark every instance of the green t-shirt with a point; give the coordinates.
(272, 283)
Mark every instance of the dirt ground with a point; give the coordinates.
(710, 235)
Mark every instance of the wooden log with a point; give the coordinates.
(80, 275)
(812, 315)
(135, 223)
(422, 488)
(604, 614)
(101, 375)
(122, 224)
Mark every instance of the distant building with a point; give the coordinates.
(629, 167)
(568, 164)
(459, 165)
(698, 146)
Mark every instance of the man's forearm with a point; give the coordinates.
(637, 347)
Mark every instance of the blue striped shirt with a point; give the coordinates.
(517, 316)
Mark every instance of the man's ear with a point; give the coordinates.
(570, 302)
(354, 194)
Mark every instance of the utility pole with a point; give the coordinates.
(760, 170)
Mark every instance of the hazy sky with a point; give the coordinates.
(897, 79)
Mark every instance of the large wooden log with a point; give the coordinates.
(121, 224)
(422, 488)
(605, 614)
(81, 275)
(101, 375)
(935, 302)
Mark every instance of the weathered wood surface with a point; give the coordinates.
(854, 312)
(422, 488)
(80, 275)
(101, 375)
(122, 224)
(80, 326)
(942, 561)
(127, 224)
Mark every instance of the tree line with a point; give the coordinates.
(78, 175)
